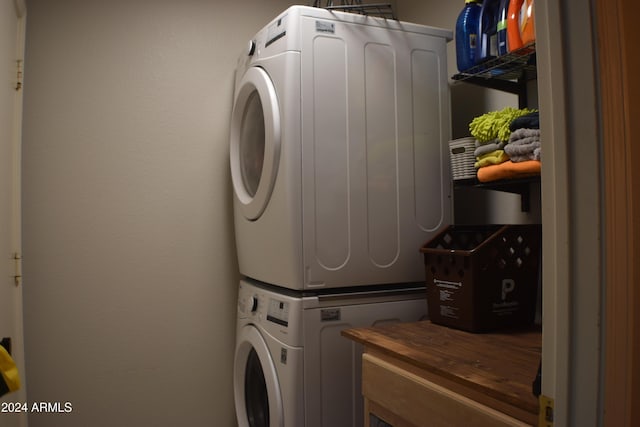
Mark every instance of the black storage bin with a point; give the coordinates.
(482, 278)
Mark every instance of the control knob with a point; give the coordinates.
(253, 303)
(251, 48)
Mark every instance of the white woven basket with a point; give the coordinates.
(462, 158)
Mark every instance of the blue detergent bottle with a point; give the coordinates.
(488, 31)
(467, 27)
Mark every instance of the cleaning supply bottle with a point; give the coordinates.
(514, 40)
(527, 28)
(520, 24)
(467, 34)
(488, 31)
(502, 27)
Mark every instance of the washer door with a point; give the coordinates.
(256, 389)
(254, 142)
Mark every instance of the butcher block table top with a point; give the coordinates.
(500, 366)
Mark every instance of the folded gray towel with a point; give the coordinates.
(524, 149)
(524, 141)
(523, 133)
(488, 147)
(519, 149)
(534, 155)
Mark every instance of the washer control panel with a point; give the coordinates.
(273, 312)
(278, 312)
(252, 305)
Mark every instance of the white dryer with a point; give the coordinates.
(292, 367)
(338, 149)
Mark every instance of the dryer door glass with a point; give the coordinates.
(254, 145)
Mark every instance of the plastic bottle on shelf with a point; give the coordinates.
(527, 27)
(514, 39)
(488, 31)
(520, 24)
(467, 34)
(502, 27)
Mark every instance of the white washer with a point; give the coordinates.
(292, 367)
(338, 149)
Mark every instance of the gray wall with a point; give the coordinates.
(130, 271)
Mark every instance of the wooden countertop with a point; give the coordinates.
(501, 366)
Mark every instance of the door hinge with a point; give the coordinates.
(546, 411)
(17, 262)
(19, 74)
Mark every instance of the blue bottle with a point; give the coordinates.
(467, 34)
(488, 31)
(501, 28)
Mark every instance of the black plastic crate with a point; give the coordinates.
(481, 278)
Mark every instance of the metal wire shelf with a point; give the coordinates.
(519, 64)
(383, 10)
(508, 73)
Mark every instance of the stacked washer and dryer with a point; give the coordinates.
(340, 170)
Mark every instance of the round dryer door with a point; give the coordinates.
(256, 389)
(254, 142)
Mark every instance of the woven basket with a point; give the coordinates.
(462, 158)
